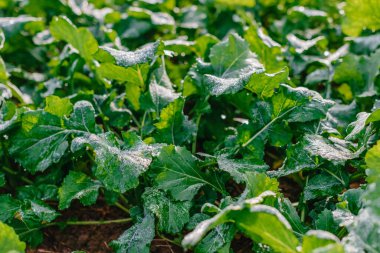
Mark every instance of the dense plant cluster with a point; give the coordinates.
(207, 122)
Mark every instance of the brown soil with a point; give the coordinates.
(91, 238)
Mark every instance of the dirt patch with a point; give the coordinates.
(91, 238)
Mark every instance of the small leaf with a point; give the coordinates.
(137, 238)
(81, 39)
(174, 127)
(58, 106)
(78, 185)
(171, 215)
(264, 84)
(257, 183)
(180, 175)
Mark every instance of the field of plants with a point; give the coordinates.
(209, 126)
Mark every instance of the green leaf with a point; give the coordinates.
(180, 175)
(257, 183)
(137, 238)
(290, 213)
(363, 235)
(231, 66)
(78, 185)
(317, 241)
(57, 106)
(264, 84)
(361, 15)
(174, 127)
(325, 221)
(43, 139)
(359, 72)
(8, 207)
(238, 167)
(267, 50)
(263, 224)
(117, 169)
(171, 215)
(9, 240)
(328, 149)
(80, 38)
(297, 159)
(161, 89)
(129, 59)
(218, 238)
(323, 185)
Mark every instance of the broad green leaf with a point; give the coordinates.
(328, 149)
(324, 184)
(137, 238)
(78, 185)
(238, 167)
(257, 183)
(231, 65)
(117, 169)
(325, 221)
(161, 89)
(9, 240)
(8, 207)
(174, 127)
(359, 72)
(26, 217)
(290, 213)
(361, 15)
(267, 50)
(297, 159)
(41, 142)
(80, 38)
(180, 174)
(317, 241)
(171, 215)
(263, 224)
(43, 139)
(129, 59)
(363, 234)
(373, 117)
(217, 240)
(57, 106)
(264, 84)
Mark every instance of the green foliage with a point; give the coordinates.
(205, 122)
(9, 241)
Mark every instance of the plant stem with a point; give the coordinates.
(120, 206)
(194, 146)
(91, 222)
(78, 223)
(14, 173)
(124, 199)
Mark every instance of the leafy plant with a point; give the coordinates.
(216, 126)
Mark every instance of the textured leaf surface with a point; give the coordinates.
(180, 174)
(117, 169)
(78, 185)
(171, 215)
(137, 238)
